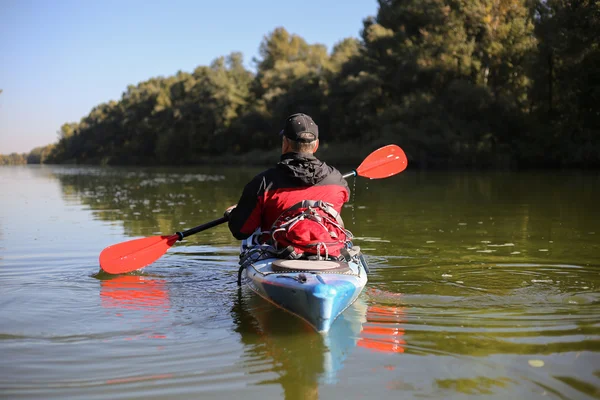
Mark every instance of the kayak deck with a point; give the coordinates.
(312, 290)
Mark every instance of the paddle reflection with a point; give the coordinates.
(382, 331)
(137, 294)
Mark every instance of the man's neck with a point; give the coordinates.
(293, 154)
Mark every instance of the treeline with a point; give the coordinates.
(39, 155)
(453, 82)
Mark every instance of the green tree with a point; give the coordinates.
(430, 65)
(292, 76)
(566, 93)
(13, 159)
(204, 106)
(39, 155)
(454, 82)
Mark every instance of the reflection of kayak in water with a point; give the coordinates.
(316, 291)
(342, 338)
(301, 357)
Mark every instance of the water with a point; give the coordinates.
(482, 285)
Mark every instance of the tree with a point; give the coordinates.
(13, 159)
(39, 154)
(566, 94)
(421, 56)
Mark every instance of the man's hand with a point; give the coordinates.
(228, 211)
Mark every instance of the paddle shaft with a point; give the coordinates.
(201, 228)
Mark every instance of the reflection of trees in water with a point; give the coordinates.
(153, 200)
(465, 215)
(455, 209)
(474, 386)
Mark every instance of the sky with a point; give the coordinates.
(60, 58)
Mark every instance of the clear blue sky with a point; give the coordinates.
(60, 58)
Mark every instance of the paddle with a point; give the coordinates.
(135, 254)
(384, 162)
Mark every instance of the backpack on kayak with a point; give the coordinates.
(310, 229)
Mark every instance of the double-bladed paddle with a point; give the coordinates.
(135, 254)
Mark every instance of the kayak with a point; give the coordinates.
(317, 291)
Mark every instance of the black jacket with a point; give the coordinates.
(297, 177)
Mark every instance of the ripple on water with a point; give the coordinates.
(493, 323)
(502, 308)
(76, 332)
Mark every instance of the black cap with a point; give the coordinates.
(297, 124)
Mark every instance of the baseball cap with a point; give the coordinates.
(297, 124)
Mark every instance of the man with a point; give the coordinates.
(298, 176)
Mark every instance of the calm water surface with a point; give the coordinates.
(482, 285)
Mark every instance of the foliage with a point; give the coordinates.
(13, 159)
(566, 93)
(455, 82)
(39, 155)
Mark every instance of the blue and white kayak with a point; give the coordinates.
(316, 291)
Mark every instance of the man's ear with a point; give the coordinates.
(285, 145)
(316, 146)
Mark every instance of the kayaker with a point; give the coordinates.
(298, 176)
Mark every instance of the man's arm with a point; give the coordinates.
(245, 218)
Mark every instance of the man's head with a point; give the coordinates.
(300, 134)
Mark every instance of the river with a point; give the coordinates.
(482, 285)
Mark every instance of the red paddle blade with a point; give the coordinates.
(386, 161)
(134, 254)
